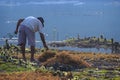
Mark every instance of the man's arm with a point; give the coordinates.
(43, 40)
(18, 23)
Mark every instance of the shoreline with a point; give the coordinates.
(90, 42)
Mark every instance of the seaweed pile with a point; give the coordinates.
(63, 61)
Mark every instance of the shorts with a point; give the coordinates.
(26, 34)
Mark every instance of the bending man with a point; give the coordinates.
(27, 28)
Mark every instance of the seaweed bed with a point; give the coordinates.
(56, 65)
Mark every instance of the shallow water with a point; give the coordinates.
(95, 50)
(39, 45)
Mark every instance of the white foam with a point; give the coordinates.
(74, 2)
(10, 21)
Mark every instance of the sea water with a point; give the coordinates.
(64, 18)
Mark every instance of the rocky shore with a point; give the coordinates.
(89, 42)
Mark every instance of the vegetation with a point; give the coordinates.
(56, 65)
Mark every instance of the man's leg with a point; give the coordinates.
(32, 53)
(31, 41)
(22, 41)
(23, 51)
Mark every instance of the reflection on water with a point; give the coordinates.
(96, 50)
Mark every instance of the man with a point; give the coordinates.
(27, 28)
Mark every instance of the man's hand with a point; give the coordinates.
(46, 47)
(43, 41)
(16, 31)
